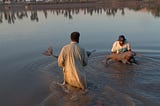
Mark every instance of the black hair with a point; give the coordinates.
(121, 37)
(75, 36)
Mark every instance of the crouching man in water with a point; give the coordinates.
(121, 51)
(72, 59)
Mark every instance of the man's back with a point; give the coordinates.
(72, 59)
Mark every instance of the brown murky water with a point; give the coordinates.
(115, 84)
(27, 78)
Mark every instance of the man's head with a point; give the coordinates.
(121, 39)
(75, 36)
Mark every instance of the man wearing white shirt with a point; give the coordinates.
(121, 51)
(121, 45)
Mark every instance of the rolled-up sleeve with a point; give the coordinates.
(61, 58)
(114, 47)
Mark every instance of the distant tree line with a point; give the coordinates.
(54, 1)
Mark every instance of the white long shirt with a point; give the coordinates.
(118, 48)
(72, 59)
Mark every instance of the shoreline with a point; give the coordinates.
(75, 5)
(50, 5)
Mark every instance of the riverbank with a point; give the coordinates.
(87, 4)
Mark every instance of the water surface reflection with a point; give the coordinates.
(10, 14)
(28, 78)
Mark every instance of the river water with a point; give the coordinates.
(28, 78)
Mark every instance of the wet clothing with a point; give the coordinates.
(72, 59)
(117, 48)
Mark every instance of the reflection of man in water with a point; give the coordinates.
(72, 59)
(121, 51)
